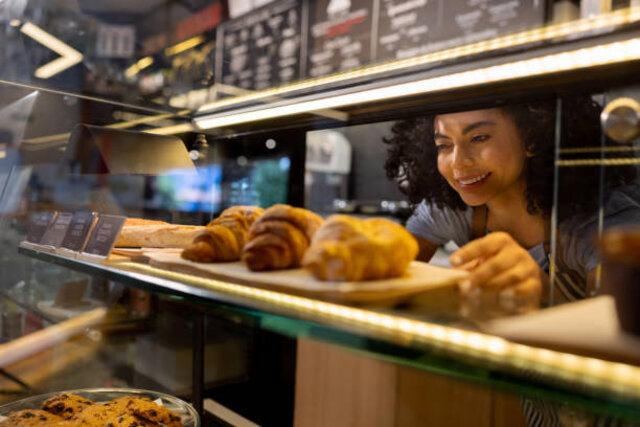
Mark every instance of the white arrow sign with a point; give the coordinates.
(68, 55)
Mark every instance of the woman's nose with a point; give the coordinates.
(462, 157)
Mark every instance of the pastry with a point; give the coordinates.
(67, 409)
(148, 410)
(279, 238)
(352, 249)
(31, 417)
(223, 238)
(66, 405)
(156, 236)
(236, 213)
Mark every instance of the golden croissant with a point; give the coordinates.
(279, 238)
(223, 238)
(351, 249)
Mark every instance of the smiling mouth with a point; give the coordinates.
(474, 180)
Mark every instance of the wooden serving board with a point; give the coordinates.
(419, 277)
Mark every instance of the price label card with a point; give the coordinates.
(38, 224)
(104, 235)
(78, 231)
(54, 234)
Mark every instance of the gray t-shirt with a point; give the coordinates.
(576, 236)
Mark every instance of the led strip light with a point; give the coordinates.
(610, 53)
(598, 162)
(613, 377)
(567, 29)
(597, 149)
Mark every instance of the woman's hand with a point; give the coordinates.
(497, 263)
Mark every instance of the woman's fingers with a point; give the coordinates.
(502, 269)
(502, 279)
(501, 264)
(529, 288)
(480, 248)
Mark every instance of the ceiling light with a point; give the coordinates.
(68, 55)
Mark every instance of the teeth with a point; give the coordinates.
(472, 180)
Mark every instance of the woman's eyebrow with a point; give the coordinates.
(472, 126)
(440, 135)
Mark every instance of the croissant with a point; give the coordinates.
(223, 238)
(351, 249)
(279, 238)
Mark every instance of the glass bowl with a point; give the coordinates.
(188, 414)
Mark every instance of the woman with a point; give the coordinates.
(495, 167)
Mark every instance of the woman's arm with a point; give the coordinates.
(426, 249)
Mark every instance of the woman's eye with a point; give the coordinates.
(441, 147)
(479, 138)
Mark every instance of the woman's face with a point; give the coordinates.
(481, 155)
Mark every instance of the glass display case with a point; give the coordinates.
(175, 111)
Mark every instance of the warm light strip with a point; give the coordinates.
(572, 60)
(598, 162)
(68, 55)
(171, 130)
(48, 138)
(610, 376)
(597, 149)
(143, 120)
(621, 17)
(185, 45)
(138, 66)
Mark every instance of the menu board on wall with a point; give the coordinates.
(262, 48)
(340, 37)
(470, 21)
(406, 26)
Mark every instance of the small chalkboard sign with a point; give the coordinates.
(78, 231)
(104, 235)
(38, 224)
(54, 235)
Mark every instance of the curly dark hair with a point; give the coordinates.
(412, 158)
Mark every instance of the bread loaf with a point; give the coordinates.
(156, 236)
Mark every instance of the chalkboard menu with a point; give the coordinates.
(104, 235)
(405, 27)
(78, 231)
(469, 21)
(38, 225)
(340, 37)
(408, 28)
(54, 235)
(262, 49)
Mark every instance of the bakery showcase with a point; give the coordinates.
(210, 213)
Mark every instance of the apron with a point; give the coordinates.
(567, 282)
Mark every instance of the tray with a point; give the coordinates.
(187, 413)
(419, 277)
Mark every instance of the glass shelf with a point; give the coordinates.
(437, 341)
